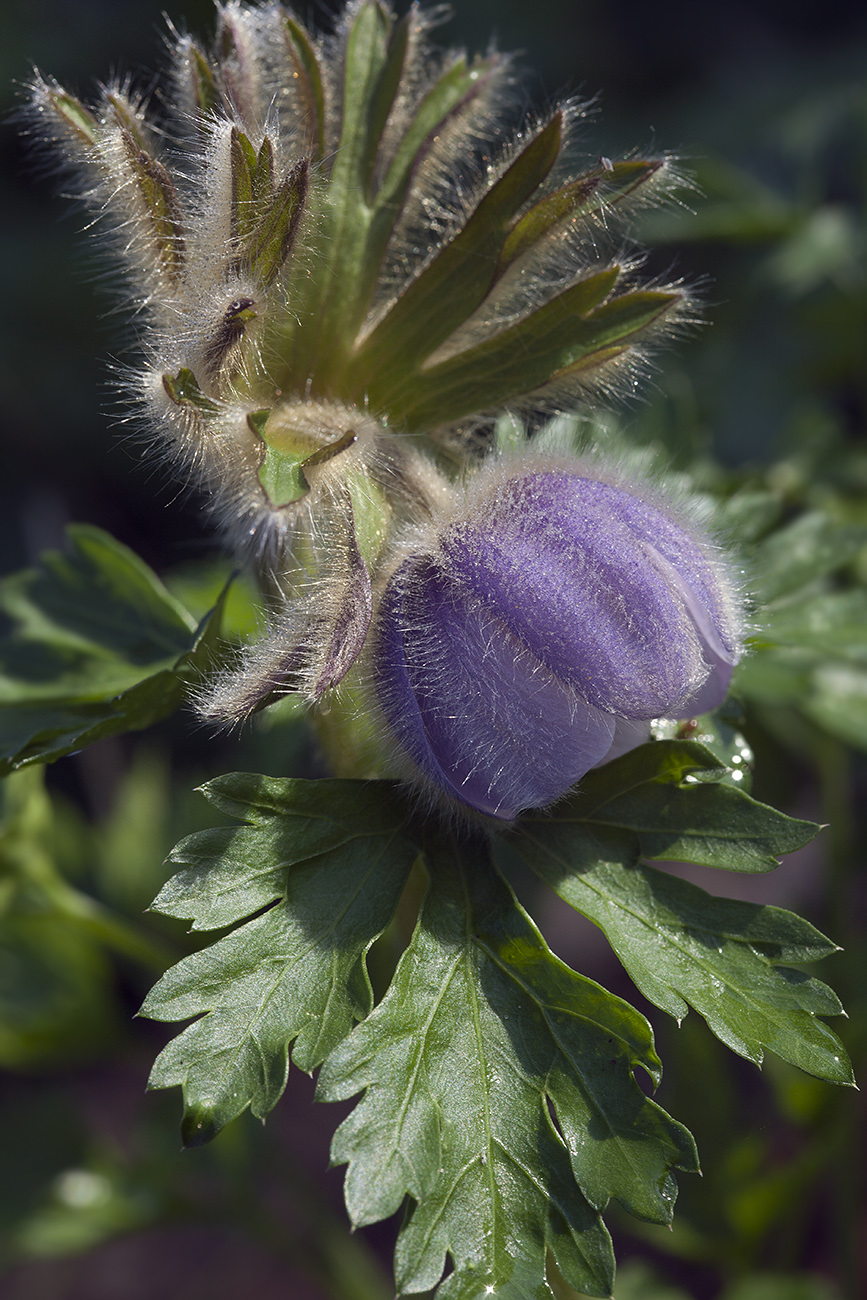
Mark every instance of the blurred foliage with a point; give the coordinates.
(767, 405)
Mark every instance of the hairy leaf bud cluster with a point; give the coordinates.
(344, 268)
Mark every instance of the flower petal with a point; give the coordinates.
(607, 591)
(482, 718)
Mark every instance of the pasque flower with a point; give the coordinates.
(344, 268)
(527, 636)
(346, 256)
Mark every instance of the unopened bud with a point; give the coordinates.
(529, 634)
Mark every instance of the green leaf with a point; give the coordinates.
(452, 95)
(157, 192)
(656, 802)
(782, 1286)
(607, 185)
(75, 117)
(812, 546)
(374, 57)
(367, 81)
(749, 513)
(270, 241)
(98, 647)
(183, 389)
(833, 624)
(720, 733)
(309, 80)
(836, 701)
(200, 585)
(56, 997)
(457, 279)
(328, 860)
(204, 89)
(500, 1096)
(683, 948)
(569, 333)
(242, 159)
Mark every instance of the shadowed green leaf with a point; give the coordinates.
(204, 89)
(720, 733)
(74, 115)
(183, 389)
(309, 80)
(270, 242)
(454, 93)
(98, 647)
(483, 1030)
(656, 802)
(328, 859)
(157, 192)
(242, 160)
(837, 701)
(599, 189)
(834, 624)
(562, 337)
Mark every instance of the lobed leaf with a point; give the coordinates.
(684, 948)
(681, 946)
(500, 1097)
(720, 733)
(329, 860)
(656, 802)
(98, 647)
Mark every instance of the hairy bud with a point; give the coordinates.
(524, 638)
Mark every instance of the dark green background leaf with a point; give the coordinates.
(806, 549)
(98, 647)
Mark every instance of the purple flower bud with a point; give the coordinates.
(553, 610)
